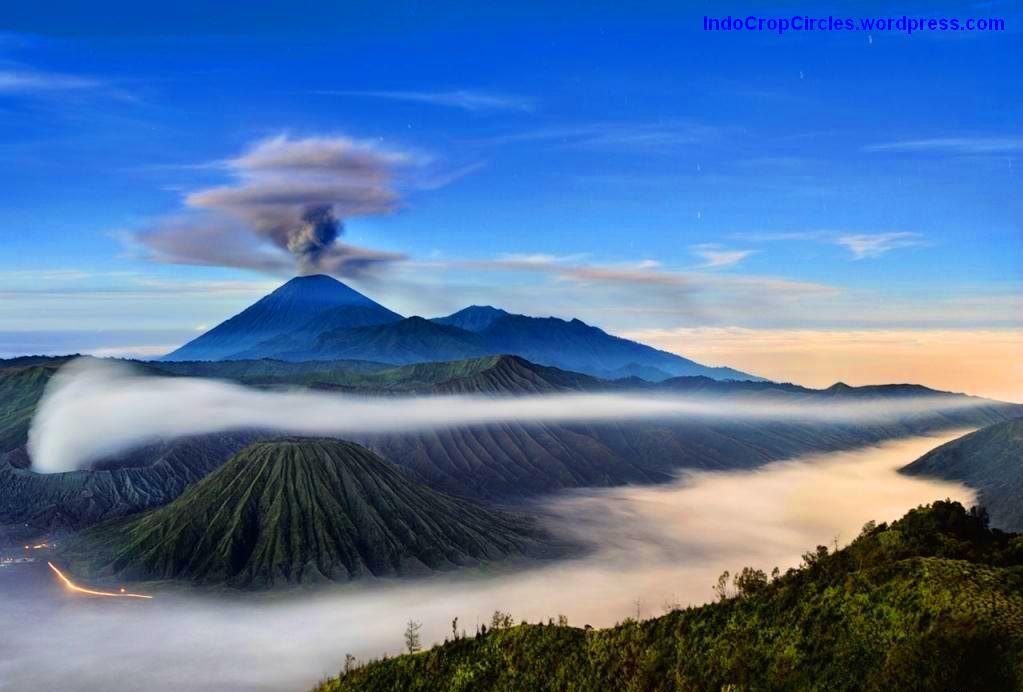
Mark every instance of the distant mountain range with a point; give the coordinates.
(503, 463)
(989, 460)
(315, 318)
(302, 511)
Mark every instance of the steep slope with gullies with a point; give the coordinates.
(32, 504)
(301, 511)
(505, 461)
(989, 460)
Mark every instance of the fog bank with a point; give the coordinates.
(658, 544)
(92, 409)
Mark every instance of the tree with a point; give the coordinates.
(499, 620)
(349, 663)
(412, 639)
(721, 588)
(749, 581)
(562, 621)
(454, 629)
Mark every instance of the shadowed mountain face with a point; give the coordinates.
(32, 504)
(319, 318)
(989, 460)
(304, 305)
(474, 318)
(302, 511)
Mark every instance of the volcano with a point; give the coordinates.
(306, 305)
(317, 318)
(301, 511)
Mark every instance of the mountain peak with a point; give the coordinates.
(320, 287)
(288, 309)
(356, 516)
(474, 318)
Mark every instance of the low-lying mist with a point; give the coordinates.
(92, 409)
(664, 544)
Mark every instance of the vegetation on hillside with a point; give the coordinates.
(933, 601)
(21, 387)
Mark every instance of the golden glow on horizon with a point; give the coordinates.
(981, 362)
(78, 589)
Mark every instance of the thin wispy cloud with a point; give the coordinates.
(770, 237)
(612, 295)
(866, 246)
(463, 99)
(28, 81)
(860, 245)
(715, 256)
(656, 136)
(964, 146)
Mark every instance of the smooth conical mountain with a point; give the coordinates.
(306, 305)
(319, 318)
(989, 460)
(300, 511)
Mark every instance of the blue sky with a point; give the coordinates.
(617, 164)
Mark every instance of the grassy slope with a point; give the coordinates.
(932, 602)
(300, 511)
(990, 460)
(21, 387)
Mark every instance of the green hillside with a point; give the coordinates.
(932, 602)
(301, 511)
(21, 386)
(989, 460)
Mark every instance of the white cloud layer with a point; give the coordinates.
(92, 409)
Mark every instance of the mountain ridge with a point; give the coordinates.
(320, 318)
(989, 460)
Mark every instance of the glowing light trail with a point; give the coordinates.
(74, 587)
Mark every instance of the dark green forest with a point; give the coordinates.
(933, 601)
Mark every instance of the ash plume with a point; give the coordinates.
(285, 209)
(318, 230)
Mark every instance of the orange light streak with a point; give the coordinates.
(74, 587)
